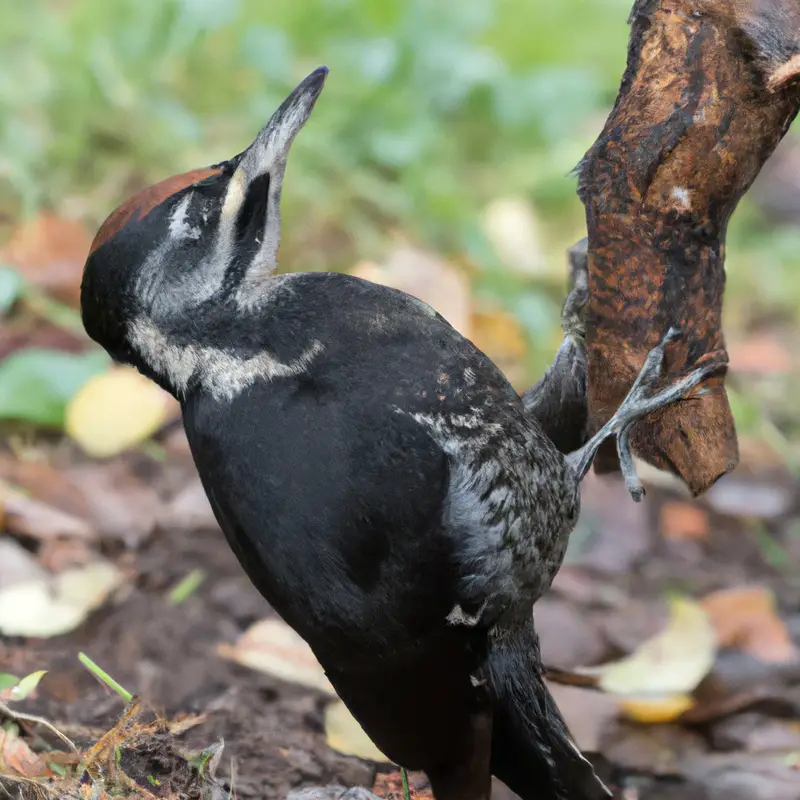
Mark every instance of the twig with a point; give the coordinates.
(18, 715)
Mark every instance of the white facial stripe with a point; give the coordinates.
(179, 228)
(234, 197)
(222, 374)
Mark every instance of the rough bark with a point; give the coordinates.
(709, 91)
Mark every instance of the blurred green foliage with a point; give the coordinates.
(432, 109)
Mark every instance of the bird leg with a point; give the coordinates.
(638, 404)
(558, 401)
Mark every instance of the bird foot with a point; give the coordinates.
(639, 402)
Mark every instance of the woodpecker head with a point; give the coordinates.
(178, 252)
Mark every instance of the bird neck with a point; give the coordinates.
(219, 350)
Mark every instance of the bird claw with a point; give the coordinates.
(638, 404)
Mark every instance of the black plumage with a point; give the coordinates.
(382, 484)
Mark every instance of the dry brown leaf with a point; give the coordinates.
(121, 505)
(680, 522)
(115, 411)
(30, 471)
(50, 252)
(745, 618)
(18, 757)
(428, 278)
(272, 647)
(346, 736)
(28, 517)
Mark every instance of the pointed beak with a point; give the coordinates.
(267, 154)
(273, 143)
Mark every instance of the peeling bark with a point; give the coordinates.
(709, 91)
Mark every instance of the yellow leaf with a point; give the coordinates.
(54, 606)
(272, 647)
(115, 411)
(672, 662)
(346, 736)
(655, 710)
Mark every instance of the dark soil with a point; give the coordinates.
(606, 599)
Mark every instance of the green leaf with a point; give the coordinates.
(7, 681)
(27, 685)
(36, 384)
(11, 286)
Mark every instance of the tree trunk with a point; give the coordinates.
(710, 89)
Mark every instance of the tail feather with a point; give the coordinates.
(532, 750)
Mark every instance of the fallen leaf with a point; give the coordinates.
(28, 517)
(680, 522)
(16, 755)
(655, 710)
(38, 477)
(120, 504)
(17, 564)
(272, 647)
(745, 618)
(50, 252)
(346, 736)
(428, 278)
(672, 662)
(511, 226)
(37, 384)
(45, 608)
(115, 411)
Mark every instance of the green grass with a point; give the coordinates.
(432, 109)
